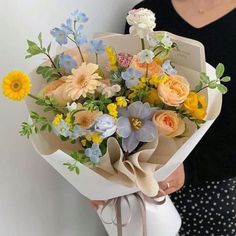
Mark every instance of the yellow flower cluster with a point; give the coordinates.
(57, 119)
(112, 58)
(153, 97)
(94, 137)
(122, 101)
(112, 109)
(196, 105)
(155, 80)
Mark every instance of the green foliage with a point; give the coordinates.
(184, 114)
(39, 123)
(97, 103)
(49, 73)
(36, 49)
(78, 156)
(205, 81)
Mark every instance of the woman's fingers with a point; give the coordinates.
(96, 204)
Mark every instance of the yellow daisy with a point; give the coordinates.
(16, 85)
(83, 80)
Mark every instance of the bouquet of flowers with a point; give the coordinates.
(113, 115)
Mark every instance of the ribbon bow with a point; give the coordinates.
(116, 203)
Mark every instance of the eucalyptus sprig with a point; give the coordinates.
(39, 123)
(205, 81)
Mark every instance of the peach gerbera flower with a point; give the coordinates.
(83, 80)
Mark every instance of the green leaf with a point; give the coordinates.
(43, 127)
(198, 87)
(77, 170)
(33, 48)
(220, 69)
(212, 84)
(223, 89)
(49, 47)
(40, 39)
(226, 79)
(204, 78)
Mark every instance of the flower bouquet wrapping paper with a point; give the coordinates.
(118, 113)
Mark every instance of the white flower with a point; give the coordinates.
(71, 107)
(142, 22)
(110, 91)
(146, 56)
(166, 41)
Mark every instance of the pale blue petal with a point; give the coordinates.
(139, 110)
(130, 143)
(123, 127)
(147, 133)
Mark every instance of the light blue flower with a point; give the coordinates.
(96, 46)
(80, 17)
(62, 129)
(80, 39)
(168, 68)
(77, 132)
(106, 125)
(146, 56)
(59, 35)
(67, 62)
(131, 77)
(94, 153)
(67, 27)
(135, 125)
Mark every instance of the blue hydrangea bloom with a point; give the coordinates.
(168, 68)
(135, 125)
(67, 62)
(59, 35)
(96, 46)
(131, 77)
(80, 17)
(94, 153)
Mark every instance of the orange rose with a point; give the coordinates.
(174, 91)
(56, 89)
(168, 123)
(153, 68)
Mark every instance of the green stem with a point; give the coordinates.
(147, 71)
(96, 58)
(32, 96)
(202, 89)
(53, 64)
(143, 44)
(81, 55)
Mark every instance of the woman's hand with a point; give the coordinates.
(96, 204)
(174, 182)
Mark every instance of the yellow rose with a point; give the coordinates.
(168, 123)
(174, 91)
(196, 105)
(153, 97)
(56, 89)
(153, 68)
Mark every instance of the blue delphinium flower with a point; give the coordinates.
(168, 68)
(80, 17)
(67, 27)
(77, 132)
(59, 35)
(131, 77)
(105, 125)
(94, 153)
(80, 39)
(135, 125)
(67, 62)
(62, 129)
(96, 46)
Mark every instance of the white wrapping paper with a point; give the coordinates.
(189, 61)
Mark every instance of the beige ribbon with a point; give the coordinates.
(116, 205)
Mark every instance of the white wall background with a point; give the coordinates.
(34, 199)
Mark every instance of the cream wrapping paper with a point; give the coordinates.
(124, 178)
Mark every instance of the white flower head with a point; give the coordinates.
(166, 40)
(71, 107)
(146, 56)
(110, 91)
(142, 22)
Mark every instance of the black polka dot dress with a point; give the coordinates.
(209, 209)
